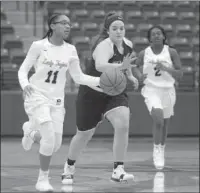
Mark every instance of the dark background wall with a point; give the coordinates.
(184, 123)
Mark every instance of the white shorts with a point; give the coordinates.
(41, 109)
(161, 98)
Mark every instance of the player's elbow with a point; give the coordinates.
(100, 68)
(77, 79)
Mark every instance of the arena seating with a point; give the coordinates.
(180, 19)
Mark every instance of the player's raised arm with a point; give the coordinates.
(29, 61)
(78, 76)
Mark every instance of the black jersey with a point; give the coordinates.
(91, 104)
(116, 57)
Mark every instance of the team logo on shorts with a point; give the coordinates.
(58, 102)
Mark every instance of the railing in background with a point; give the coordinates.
(34, 18)
(27, 7)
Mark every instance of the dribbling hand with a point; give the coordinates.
(28, 90)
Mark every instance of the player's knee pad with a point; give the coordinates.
(48, 139)
(58, 142)
(85, 135)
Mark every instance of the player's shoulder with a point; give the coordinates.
(39, 43)
(128, 42)
(69, 46)
(106, 42)
(106, 45)
(171, 50)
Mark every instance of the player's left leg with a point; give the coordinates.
(31, 134)
(58, 116)
(154, 104)
(169, 99)
(119, 117)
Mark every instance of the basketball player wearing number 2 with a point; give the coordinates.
(161, 65)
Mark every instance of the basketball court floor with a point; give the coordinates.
(19, 169)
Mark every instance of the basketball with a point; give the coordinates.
(113, 82)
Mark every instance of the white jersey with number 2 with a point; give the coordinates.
(157, 77)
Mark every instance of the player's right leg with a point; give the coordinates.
(87, 117)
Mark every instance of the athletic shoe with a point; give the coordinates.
(119, 175)
(68, 175)
(158, 157)
(43, 184)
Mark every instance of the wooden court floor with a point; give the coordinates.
(19, 169)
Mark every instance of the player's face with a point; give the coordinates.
(116, 31)
(156, 36)
(62, 26)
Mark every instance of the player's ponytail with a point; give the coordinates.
(99, 38)
(48, 34)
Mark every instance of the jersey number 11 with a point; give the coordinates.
(55, 74)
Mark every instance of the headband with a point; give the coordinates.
(111, 19)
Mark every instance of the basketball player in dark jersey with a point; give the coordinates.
(110, 50)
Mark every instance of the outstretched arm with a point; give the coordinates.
(78, 76)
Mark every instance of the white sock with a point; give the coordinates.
(162, 146)
(156, 146)
(43, 173)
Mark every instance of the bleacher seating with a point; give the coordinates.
(179, 19)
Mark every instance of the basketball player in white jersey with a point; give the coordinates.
(161, 66)
(44, 92)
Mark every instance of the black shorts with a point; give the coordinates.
(92, 105)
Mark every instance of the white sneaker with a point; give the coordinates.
(68, 175)
(43, 184)
(27, 139)
(159, 182)
(119, 175)
(158, 157)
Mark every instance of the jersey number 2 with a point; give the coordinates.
(157, 72)
(55, 74)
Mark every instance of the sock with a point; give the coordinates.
(156, 145)
(118, 163)
(71, 162)
(43, 173)
(162, 146)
